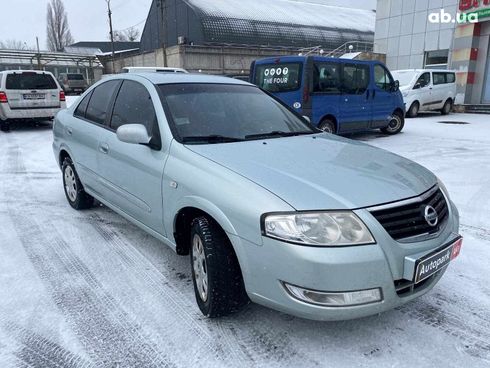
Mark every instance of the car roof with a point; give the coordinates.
(25, 71)
(172, 78)
(424, 70)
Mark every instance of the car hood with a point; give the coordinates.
(404, 88)
(322, 171)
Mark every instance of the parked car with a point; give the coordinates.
(427, 90)
(29, 95)
(152, 69)
(337, 95)
(268, 207)
(73, 82)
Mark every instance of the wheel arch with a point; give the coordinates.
(332, 118)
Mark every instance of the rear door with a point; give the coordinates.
(76, 82)
(382, 96)
(31, 90)
(355, 102)
(86, 128)
(327, 88)
(132, 174)
(439, 90)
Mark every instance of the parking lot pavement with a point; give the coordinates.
(88, 289)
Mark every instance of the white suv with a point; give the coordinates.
(29, 95)
(427, 90)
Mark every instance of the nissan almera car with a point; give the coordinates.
(268, 208)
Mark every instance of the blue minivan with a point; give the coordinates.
(336, 95)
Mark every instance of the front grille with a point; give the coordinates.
(406, 288)
(407, 220)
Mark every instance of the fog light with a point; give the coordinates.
(334, 299)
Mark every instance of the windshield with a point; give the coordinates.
(218, 113)
(404, 77)
(280, 77)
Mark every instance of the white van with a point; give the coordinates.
(29, 95)
(427, 90)
(152, 69)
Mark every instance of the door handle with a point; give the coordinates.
(104, 148)
(69, 130)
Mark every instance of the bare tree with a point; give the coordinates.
(130, 34)
(14, 45)
(58, 31)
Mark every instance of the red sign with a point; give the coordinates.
(465, 5)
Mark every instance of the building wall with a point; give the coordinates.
(404, 33)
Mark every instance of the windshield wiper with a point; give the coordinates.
(277, 134)
(215, 138)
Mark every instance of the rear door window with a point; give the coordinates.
(82, 107)
(99, 105)
(30, 81)
(281, 77)
(450, 78)
(326, 78)
(355, 79)
(439, 78)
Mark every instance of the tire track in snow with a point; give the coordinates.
(37, 351)
(473, 332)
(104, 329)
(244, 342)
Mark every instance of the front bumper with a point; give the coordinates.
(382, 265)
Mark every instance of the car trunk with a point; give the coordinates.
(31, 90)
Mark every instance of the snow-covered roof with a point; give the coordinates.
(289, 12)
(282, 23)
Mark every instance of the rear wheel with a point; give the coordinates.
(446, 109)
(216, 274)
(74, 192)
(327, 125)
(395, 125)
(413, 110)
(4, 126)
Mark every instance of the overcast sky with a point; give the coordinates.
(23, 20)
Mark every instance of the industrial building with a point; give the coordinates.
(223, 37)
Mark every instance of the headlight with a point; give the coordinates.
(443, 188)
(320, 229)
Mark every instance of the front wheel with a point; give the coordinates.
(74, 192)
(327, 125)
(216, 274)
(395, 125)
(413, 111)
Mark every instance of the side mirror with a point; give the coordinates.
(396, 86)
(307, 118)
(133, 134)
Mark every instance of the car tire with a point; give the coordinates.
(396, 124)
(4, 126)
(327, 125)
(74, 192)
(413, 111)
(216, 274)
(446, 109)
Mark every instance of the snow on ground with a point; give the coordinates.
(88, 289)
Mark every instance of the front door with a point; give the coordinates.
(132, 174)
(382, 97)
(355, 101)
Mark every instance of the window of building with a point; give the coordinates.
(437, 59)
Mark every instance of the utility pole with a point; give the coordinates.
(109, 12)
(39, 66)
